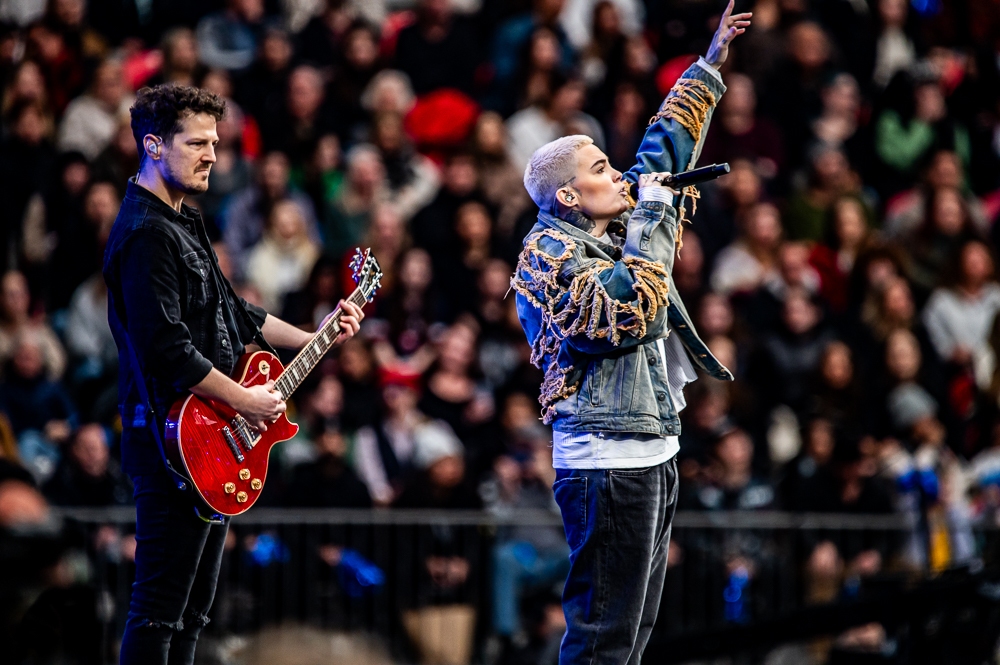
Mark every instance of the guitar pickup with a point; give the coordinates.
(233, 446)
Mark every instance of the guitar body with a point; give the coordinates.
(225, 459)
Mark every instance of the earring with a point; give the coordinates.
(569, 197)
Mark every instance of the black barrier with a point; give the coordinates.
(368, 571)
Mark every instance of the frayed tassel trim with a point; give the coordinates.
(688, 103)
(584, 307)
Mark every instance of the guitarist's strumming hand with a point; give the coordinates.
(262, 405)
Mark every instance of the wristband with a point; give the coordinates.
(657, 193)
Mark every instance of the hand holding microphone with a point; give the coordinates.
(651, 187)
(679, 181)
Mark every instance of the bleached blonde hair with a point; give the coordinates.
(551, 166)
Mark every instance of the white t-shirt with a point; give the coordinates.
(629, 450)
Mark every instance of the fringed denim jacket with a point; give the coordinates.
(593, 311)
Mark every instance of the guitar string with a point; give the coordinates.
(313, 352)
(309, 355)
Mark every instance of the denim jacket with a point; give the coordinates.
(593, 311)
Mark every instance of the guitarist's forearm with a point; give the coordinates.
(284, 335)
(220, 387)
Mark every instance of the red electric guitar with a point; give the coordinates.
(226, 458)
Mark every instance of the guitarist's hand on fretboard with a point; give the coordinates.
(350, 320)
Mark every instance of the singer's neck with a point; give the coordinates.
(594, 226)
(600, 228)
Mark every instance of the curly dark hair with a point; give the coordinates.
(159, 110)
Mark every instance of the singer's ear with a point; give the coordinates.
(567, 197)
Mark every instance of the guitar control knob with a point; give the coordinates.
(241, 497)
(244, 474)
(229, 487)
(256, 484)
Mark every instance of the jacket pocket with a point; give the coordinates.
(594, 382)
(197, 273)
(643, 388)
(625, 376)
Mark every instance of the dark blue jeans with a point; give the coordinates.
(617, 525)
(177, 559)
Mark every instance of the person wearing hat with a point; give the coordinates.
(389, 455)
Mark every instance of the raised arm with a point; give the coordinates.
(676, 133)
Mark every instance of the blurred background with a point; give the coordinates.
(839, 501)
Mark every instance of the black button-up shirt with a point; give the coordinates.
(166, 290)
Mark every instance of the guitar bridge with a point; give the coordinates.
(245, 432)
(233, 446)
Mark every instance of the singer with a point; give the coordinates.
(597, 302)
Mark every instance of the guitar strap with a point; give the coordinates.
(238, 303)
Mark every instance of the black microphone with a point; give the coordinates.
(679, 181)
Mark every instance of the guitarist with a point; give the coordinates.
(173, 311)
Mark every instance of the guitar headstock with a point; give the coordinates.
(366, 273)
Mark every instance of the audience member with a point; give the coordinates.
(87, 475)
(180, 58)
(246, 215)
(228, 39)
(329, 481)
(365, 185)
(738, 133)
(526, 557)
(281, 262)
(42, 416)
(16, 321)
(557, 114)
(91, 120)
(438, 50)
(959, 317)
(389, 455)
(752, 260)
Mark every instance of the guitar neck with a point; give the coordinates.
(312, 353)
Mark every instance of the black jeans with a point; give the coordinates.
(177, 559)
(617, 525)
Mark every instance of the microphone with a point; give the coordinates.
(679, 181)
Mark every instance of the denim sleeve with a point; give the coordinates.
(152, 295)
(676, 133)
(597, 305)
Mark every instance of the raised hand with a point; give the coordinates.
(730, 27)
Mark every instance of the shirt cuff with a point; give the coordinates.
(709, 68)
(657, 193)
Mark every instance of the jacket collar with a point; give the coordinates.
(136, 192)
(551, 221)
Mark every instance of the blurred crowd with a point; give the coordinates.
(845, 270)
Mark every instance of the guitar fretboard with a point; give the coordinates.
(310, 355)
